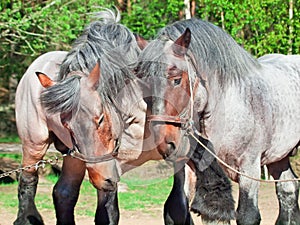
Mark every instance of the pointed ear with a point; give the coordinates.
(94, 77)
(181, 45)
(45, 80)
(142, 43)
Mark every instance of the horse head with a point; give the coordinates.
(94, 127)
(177, 94)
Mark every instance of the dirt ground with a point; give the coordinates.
(267, 203)
(268, 206)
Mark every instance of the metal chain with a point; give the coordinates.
(39, 164)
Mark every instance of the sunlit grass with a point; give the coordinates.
(10, 139)
(139, 195)
(16, 157)
(144, 194)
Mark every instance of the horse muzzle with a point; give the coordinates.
(105, 175)
(167, 139)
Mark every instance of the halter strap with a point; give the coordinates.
(185, 122)
(167, 119)
(75, 153)
(95, 159)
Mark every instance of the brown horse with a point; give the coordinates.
(73, 103)
(248, 108)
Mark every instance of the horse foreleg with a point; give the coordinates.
(28, 180)
(176, 208)
(28, 213)
(213, 196)
(247, 211)
(66, 190)
(107, 212)
(287, 192)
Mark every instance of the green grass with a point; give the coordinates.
(144, 194)
(140, 195)
(10, 139)
(14, 156)
(9, 200)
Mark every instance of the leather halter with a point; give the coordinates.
(184, 122)
(75, 153)
(167, 119)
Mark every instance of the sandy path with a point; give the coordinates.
(267, 204)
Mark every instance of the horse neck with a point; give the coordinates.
(133, 109)
(214, 95)
(214, 110)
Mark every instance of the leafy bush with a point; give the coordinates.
(30, 28)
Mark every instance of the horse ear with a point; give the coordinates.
(94, 77)
(45, 80)
(181, 45)
(142, 43)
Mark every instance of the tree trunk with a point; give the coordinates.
(193, 7)
(128, 7)
(187, 9)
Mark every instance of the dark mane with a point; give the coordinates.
(110, 43)
(215, 52)
(62, 97)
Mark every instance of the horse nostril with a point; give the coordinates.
(109, 181)
(110, 185)
(171, 147)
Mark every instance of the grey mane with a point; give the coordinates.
(105, 41)
(215, 52)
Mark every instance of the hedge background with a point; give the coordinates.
(31, 28)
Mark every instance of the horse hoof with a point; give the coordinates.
(29, 220)
(214, 222)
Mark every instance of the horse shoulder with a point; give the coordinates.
(30, 117)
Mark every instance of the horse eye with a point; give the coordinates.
(177, 81)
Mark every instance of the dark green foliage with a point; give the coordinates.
(147, 17)
(30, 28)
(261, 27)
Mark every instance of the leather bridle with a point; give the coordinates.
(74, 152)
(185, 122)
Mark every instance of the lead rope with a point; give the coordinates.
(231, 168)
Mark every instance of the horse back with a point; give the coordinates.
(282, 79)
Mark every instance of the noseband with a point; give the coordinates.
(185, 122)
(75, 151)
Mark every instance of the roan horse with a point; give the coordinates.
(79, 107)
(248, 108)
(95, 135)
